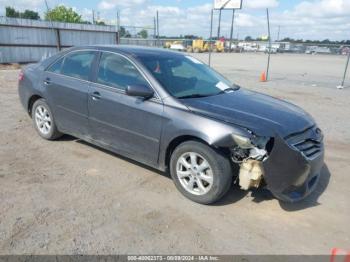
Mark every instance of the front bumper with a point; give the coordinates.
(290, 174)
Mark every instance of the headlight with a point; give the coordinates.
(248, 142)
(242, 141)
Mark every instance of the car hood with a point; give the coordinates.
(262, 114)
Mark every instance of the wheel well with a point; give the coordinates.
(31, 103)
(177, 141)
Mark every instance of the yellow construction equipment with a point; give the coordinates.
(198, 46)
(219, 46)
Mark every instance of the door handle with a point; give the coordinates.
(47, 81)
(96, 95)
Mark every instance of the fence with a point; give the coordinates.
(24, 40)
(251, 46)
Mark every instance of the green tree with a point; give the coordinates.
(28, 14)
(124, 33)
(190, 37)
(62, 13)
(11, 12)
(248, 38)
(288, 39)
(143, 33)
(100, 23)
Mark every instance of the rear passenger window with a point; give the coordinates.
(78, 65)
(56, 67)
(116, 71)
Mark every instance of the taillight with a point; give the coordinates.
(21, 76)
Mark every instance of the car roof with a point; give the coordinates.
(133, 50)
(128, 50)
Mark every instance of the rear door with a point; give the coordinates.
(67, 85)
(129, 125)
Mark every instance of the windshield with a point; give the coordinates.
(185, 76)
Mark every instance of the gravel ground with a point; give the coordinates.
(68, 197)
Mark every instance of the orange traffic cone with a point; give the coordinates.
(263, 77)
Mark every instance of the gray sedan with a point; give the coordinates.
(170, 111)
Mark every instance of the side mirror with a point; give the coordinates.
(139, 90)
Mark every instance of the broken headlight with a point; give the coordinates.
(242, 141)
(252, 147)
(250, 142)
(249, 152)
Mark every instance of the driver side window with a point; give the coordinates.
(116, 71)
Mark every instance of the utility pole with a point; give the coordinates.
(56, 32)
(231, 35)
(118, 26)
(278, 33)
(157, 28)
(155, 31)
(219, 27)
(346, 69)
(211, 35)
(269, 48)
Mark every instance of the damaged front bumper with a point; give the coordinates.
(293, 168)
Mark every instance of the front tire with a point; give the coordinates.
(44, 121)
(200, 173)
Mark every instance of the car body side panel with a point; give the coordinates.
(30, 85)
(67, 98)
(25, 91)
(128, 124)
(182, 122)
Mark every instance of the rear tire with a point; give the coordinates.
(44, 121)
(200, 173)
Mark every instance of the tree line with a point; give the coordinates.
(302, 41)
(60, 13)
(65, 14)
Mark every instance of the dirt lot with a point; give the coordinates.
(68, 197)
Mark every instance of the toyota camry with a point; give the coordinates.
(172, 112)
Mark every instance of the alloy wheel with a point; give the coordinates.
(43, 120)
(194, 173)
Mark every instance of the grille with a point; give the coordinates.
(308, 142)
(310, 148)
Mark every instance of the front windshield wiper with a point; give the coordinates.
(233, 88)
(194, 96)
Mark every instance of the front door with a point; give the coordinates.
(129, 125)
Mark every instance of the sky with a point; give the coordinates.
(299, 19)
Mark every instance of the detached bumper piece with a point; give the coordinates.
(294, 165)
